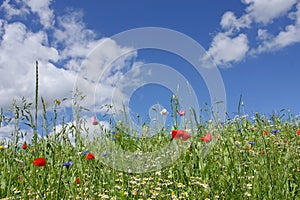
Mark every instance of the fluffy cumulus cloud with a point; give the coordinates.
(265, 11)
(74, 38)
(23, 136)
(42, 9)
(19, 8)
(232, 45)
(104, 65)
(60, 58)
(5, 133)
(290, 35)
(19, 49)
(225, 49)
(230, 22)
(60, 44)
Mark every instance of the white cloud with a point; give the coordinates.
(104, 67)
(225, 49)
(23, 135)
(264, 11)
(231, 45)
(19, 49)
(77, 41)
(89, 130)
(55, 83)
(67, 46)
(22, 8)
(17, 9)
(262, 34)
(73, 35)
(231, 23)
(285, 38)
(26, 135)
(41, 8)
(290, 35)
(5, 133)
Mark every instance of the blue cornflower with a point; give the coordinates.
(105, 154)
(239, 130)
(67, 164)
(85, 153)
(252, 143)
(275, 131)
(114, 139)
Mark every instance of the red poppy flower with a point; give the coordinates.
(185, 136)
(266, 132)
(90, 156)
(39, 162)
(78, 180)
(298, 132)
(180, 134)
(207, 137)
(24, 146)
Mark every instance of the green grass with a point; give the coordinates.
(232, 168)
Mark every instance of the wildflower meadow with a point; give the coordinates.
(243, 157)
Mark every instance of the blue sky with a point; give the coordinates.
(267, 81)
(254, 43)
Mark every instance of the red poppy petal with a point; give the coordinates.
(185, 136)
(39, 162)
(174, 133)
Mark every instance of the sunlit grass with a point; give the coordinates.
(240, 158)
(252, 158)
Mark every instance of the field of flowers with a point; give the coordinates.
(240, 158)
(255, 158)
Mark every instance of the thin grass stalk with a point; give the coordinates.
(35, 136)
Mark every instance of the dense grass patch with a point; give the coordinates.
(253, 158)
